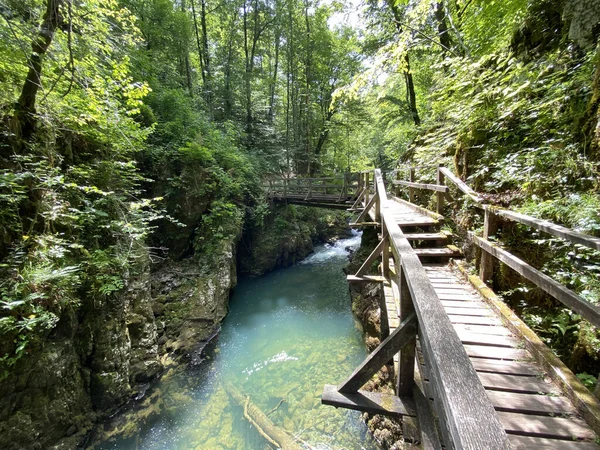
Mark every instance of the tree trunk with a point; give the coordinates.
(308, 69)
(410, 92)
(23, 121)
(208, 79)
(444, 36)
(271, 114)
(272, 433)
(186, 59)
(411, 98)
(228, 103)
(198, 44)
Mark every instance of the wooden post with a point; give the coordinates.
(360, 183)
(285, 186)
(411, 191)
(368, 188)
(406, 364)
(309, 189)
(490, 227)
(384, 324)
(385, 252)
(597, 390)
(397, 188)
(440, 195)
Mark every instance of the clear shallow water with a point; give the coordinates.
(287, 334)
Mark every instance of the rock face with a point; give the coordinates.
(89, 366)
(97, 359)
(191, 299)
(288, 235)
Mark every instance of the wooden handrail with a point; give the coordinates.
(460, 184)
(470, 419)
(430, 187)
(549, 227)
(492, 215)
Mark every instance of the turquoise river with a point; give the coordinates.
(287, 334)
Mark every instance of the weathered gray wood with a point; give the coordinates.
(357, 204)
(515, 383)
(446, 252)
(504, 367)
(372, 257)
(440, 195)
(362, 216)
(533, 443)
(471, 420)
(411, 206)
(381, 355)
(426, 236)
(460, 184)
(430, 439)
(371, 402)
(543, 426)
(365, 279)
(406, 361)
(490, 227)
(550, 228)
(467, 337)
(474, 320)
(481, 312)
(411, 191)
(544, 405)
(587, 310)
(429, 187)
(487, 351)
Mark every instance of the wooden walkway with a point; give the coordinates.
(531, 408)
(460, 372)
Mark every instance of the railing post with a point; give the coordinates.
(360, 183)
(285, 187)
(367, 187)
(440, 195)
(397, 188)
(411, 191)
(385, 254)
(490, 227)
(406, 364)
(309, 188)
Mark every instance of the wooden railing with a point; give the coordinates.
(467, 418)
(493, 216)
(337, 188)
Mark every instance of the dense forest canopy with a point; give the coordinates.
(122, 117)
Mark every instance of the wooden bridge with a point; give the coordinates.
(469, 373)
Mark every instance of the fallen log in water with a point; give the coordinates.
(271, 432)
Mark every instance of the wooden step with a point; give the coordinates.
(441, 236)
(438, 254)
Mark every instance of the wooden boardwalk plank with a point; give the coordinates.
(530, 403)
(483, 329)
(544, 426)
(497, 366)
(516, 383)
(494, 352)
(533, 443)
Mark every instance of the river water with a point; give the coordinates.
(287, 334)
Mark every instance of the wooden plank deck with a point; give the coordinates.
(531, 408)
